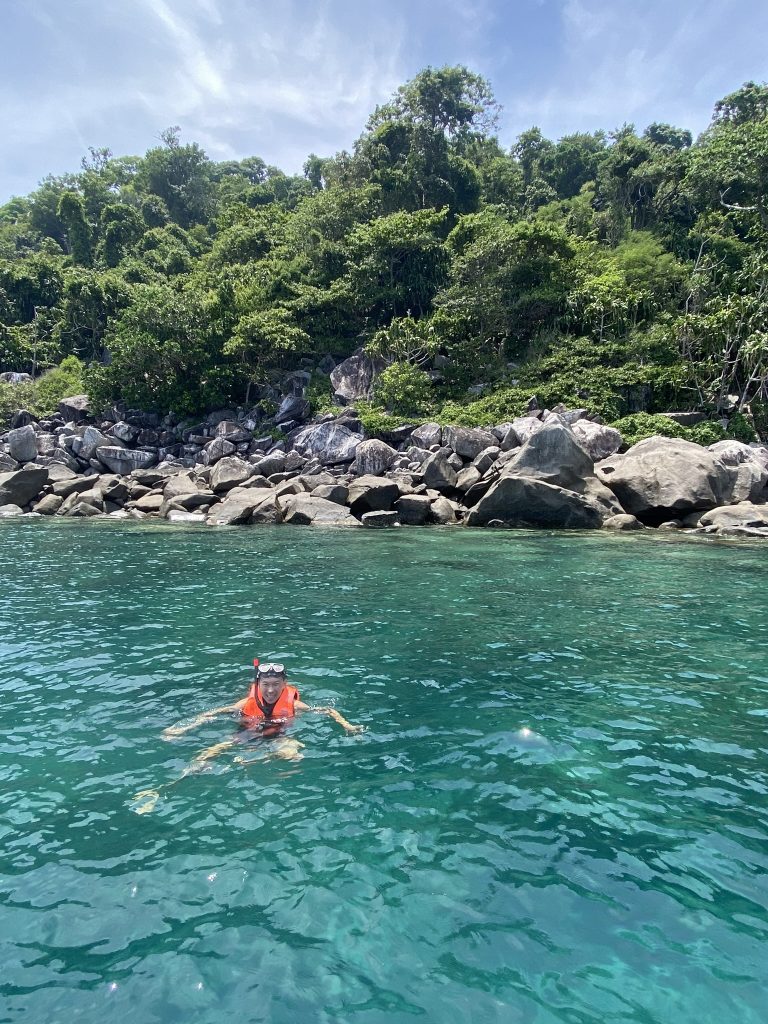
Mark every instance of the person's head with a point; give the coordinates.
(271, 679)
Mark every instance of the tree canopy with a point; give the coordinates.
(622, 267)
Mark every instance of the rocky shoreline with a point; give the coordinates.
(551, 468)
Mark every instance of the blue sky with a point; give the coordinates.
(282, 79)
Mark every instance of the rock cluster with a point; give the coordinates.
(556, 469)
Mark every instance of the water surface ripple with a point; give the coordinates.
(609, 866)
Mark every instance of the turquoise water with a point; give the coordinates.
(440, 867)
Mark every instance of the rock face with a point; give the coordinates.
(353, 379)
(330, 442)
(468, 442)
(537, 470)
(373, 457)
(599, 441)
(20, 487)
(125, 460)
(743, 514)
(439, 473)
(524, 501)
(427, 434)
(306, 510)
(22, 444)
(549, 482)
(228, 473)
(372, 494)
(661, 478)
(75, 408)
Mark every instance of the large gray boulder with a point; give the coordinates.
(338, 493)
(238, 507)
(427, 435)
(218, 448)
(353, 379)
(75, 408)
(73, 485)
(380, 520)
(22, 444)
(124, 432)
(49, 505)
(292, 407)
(330, 442)
(748, 470)
(438, 473)
(468, 442)
(229, 472)
(372, 494)
(413, 509)
(373, 458)
(524, 501)
(520, 430)
(91, 440)
(743, 514)
(552, 454)
(663, 478)
(125, 460)
(180, 485)
(306, 510)
(550, 481)
(599, 441)
(21, 486)
(274, 462)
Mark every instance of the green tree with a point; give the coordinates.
(71, 210)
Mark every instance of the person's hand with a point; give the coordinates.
(352, 729)
(173, 730)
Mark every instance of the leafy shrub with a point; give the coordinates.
(403, 388)
(640, 425)
(706, 433)
(14, 397)
(319, 394)
(740, 429)
(42, 396)
(376, 422)
(61, 382)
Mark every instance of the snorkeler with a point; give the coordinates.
(270, 703)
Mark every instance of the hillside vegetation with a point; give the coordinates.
(625, 271)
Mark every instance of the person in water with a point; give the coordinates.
(265, 711)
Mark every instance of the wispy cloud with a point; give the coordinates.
(282, 80)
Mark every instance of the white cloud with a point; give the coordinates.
(621, 62)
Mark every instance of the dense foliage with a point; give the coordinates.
(624, 271)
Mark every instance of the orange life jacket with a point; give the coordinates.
(255, 705)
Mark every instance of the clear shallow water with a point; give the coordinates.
(440, 867)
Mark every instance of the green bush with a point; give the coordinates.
(61, 382)
(14, 397)
(404, 388)
(706, 433)
(740, 429)
(376, 422)
(42, 396)
(319, 394)
(640, 425)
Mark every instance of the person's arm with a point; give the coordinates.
(331, 713)
(204, 716)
